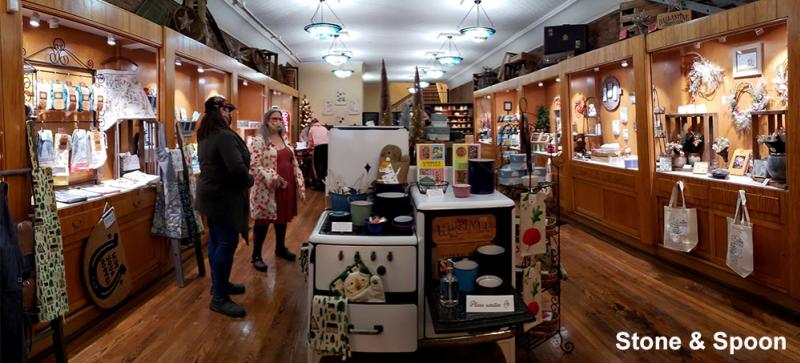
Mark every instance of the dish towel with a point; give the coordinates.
(81, 151)
(329, 330)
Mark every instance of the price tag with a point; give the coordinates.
(342, 227)
(490, 303)
(109, 218)
(765, 182)
(435, 194)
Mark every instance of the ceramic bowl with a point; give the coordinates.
(461, 190)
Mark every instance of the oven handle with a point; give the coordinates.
(376, 330)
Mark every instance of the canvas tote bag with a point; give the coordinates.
(740, 239)
(680, 223)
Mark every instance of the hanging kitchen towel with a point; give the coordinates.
(98, 145)
(329, 326)
(51, 283)
(63, 144)
(168, 218)
(81, 151)
(124, 98)
(363, 287)
(680, 223)
(532, 293)
(45, 149)
(740, 239)
(337, 286)
(532, 223)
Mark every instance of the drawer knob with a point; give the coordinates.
(373, 256)
(341, 255)
(390, 257)
(381, 270)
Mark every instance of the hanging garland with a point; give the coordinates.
(758, 92)
(704, 78)
(781, 81)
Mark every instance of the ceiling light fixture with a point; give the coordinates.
(434, 73)
(424, 84)
(111, 40)
(759, 31)
(320, 29)
(53, 23)
(450, 57)
(34, 20)
(541, 84)
(337, 56)
(200, 69)
(558, 79)
(178, 62)
(477, 33)
(412, 90)
(342, 72)
(624, 64)
(245, 83)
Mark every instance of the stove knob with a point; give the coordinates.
(381, 270)
(341, 255)
(390, 257)
(373, 256)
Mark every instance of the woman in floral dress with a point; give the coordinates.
(278, 186)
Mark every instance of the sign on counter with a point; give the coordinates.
(490, 303)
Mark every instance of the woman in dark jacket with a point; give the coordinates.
(223, 198)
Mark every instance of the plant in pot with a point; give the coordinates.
(720, 147)
(542, 119)
(678, 158)
(776, 162)
(693, 146)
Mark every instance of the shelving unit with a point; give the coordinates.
(775, 119)
(698, 122)
(459, 116)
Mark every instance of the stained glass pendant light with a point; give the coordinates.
(319, 28)
(451, 56)
(337, 53)
(477, 33)
(342, 72)
(433, 73)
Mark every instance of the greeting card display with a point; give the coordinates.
(430, 163)
(461, 155)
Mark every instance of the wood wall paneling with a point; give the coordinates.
(792, 231)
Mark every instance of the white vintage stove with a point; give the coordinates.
(374, 327)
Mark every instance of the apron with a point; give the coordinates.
(51, 284)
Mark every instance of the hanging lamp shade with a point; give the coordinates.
(451, 56)
(434, 73)
(342, 72)
(424, 84)
(477, 32)
(412, 90)
(338, 53)
(321, 29)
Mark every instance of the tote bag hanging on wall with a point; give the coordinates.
(740, 239)
(680, 223)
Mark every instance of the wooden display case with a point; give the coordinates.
(290, 106)
(253, 101)
(544, 93)
(459, 116)
(193, 88)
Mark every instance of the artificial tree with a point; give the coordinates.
(386, 107)
(542, 119)
(305, 113)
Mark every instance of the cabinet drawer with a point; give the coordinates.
(400, 263)
(383, 328)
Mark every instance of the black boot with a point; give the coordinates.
(259, 235)
(226, 306)
(280, 243)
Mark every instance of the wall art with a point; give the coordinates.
(747, 61)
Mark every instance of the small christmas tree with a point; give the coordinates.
(542, 119)
(305, 113)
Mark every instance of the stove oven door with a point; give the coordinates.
(375, 327)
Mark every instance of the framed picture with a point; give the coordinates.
(327, 108)
(747, 61)
(507, 106)
(354, 107)
(340, 118)
(760, 169)
(700, 167)
(739, 162)
(341, 97)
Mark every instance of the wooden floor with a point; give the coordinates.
(610, 289)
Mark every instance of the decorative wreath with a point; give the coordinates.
(704, 78)
(781, 81)
(742, 119)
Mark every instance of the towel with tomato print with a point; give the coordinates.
(532, 293)
(532, 223)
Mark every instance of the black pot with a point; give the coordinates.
(776, 166)
(389, 188)
(392, 204)
(481, 176)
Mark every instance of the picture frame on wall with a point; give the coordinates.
(747, 60)
(340, 118)
(507, 106)
(327, 108)
(353, 107)
(341, 97)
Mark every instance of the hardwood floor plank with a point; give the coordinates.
(611, 288)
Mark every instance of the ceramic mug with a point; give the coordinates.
(492, 258)
(466, 271)
(359, 211)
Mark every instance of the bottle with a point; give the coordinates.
(448, 288)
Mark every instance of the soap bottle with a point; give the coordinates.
(448, 288)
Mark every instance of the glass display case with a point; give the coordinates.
(603, 115)
(720, 107)
(543, 110)
(253, 99)
(483, 119)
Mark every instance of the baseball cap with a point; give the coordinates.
(218, 102)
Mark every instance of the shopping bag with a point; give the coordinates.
(680, 223)
(740, 239)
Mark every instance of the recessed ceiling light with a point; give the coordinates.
(541, 84)
(558, 79)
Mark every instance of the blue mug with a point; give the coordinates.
(466, 272)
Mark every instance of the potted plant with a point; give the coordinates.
(693, 146)
(776, 162)
(678, 158)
